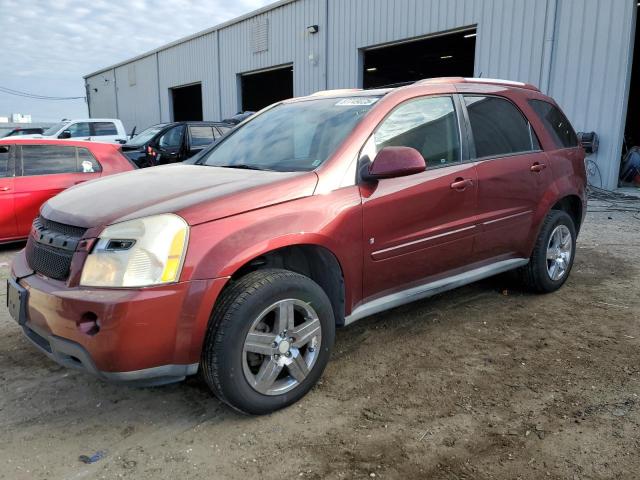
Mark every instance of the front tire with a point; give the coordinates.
(553, 254)
(268, 341)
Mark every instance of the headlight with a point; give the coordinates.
(138, 253)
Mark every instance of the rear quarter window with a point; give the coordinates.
(87, 163)
(556, 123)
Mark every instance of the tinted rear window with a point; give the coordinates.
(5, 151)
(498, 127)
(104, 128)
(201, 135)
(53, 159)
(556, 123)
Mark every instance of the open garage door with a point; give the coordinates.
(187, 103)
(630, 169)
(447, 55)
(261, 89)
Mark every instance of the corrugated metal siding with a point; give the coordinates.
(590, 71)
(191, 62)
(515, 41)
(102, 95)
(138, 105)
(288, 43)
(509, 43)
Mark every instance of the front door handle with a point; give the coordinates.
(461, 184)
(538, 167)
(5, 189)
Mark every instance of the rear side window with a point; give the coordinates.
(53, 159)
(201, 135)
(87, 163)
(427, 124)
(5, 156)
(564, 136)
(104, 128)
(499, 128)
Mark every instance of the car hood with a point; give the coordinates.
(197, 193)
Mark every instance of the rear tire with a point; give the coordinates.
(553, 254)
(268, 341)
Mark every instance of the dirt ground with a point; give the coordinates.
(483, 382)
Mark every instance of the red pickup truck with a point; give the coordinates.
(315, 213)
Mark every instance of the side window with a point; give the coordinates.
(200, 135)
(428, 124)
(5, 160)
(556, 123)
(104, 128)
(498, 127)
(81, 129)
(87, 163)
(172, 138)
(223, 130)
(48, 159)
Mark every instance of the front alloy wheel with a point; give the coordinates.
(268, 340)
(282, 347)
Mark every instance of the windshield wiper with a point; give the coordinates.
(245, 167)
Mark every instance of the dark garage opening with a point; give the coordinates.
(449, 55)
(187, 103)
(264, 88)
(630, 168)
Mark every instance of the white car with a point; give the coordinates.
(92, 129)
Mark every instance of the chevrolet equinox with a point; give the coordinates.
(312, 214)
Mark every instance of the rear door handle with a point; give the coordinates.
(538, 167)
(461, 184)
(79, 181)
(5, 189)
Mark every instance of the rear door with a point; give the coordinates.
(44, 171)
(419, 226)
(78, 131)
(104, 132)
(512, 172)
(8, 227)
(200, 136)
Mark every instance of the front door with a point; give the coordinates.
(171, 145)
(7, 212)
(420, 226)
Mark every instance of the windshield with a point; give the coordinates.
(296, 136)
(54, 129)
(145, 135)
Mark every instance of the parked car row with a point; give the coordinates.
(310, 215)
(34, 170)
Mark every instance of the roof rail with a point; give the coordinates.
(489, 81)
(337, 91)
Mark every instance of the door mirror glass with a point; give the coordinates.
(391, 162)
(65, 134)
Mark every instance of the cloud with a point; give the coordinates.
(48, 46)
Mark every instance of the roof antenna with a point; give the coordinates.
(480, 75)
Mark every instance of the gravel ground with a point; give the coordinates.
(483, 382)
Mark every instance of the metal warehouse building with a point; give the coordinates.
(581, 52)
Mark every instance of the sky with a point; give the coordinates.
(47, 46)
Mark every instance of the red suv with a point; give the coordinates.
(33, 171)
(315, 213)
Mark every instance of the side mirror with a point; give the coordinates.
(391, 162)
(589, 141)
(65, 134)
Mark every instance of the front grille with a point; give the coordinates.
(51, 246)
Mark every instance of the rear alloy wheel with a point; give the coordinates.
(268, 341)
(553, 253)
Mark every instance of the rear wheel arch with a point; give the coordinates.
(313, 261)
(572, 204)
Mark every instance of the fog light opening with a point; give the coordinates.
(88, 324)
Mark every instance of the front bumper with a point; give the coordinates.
(147, 336)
